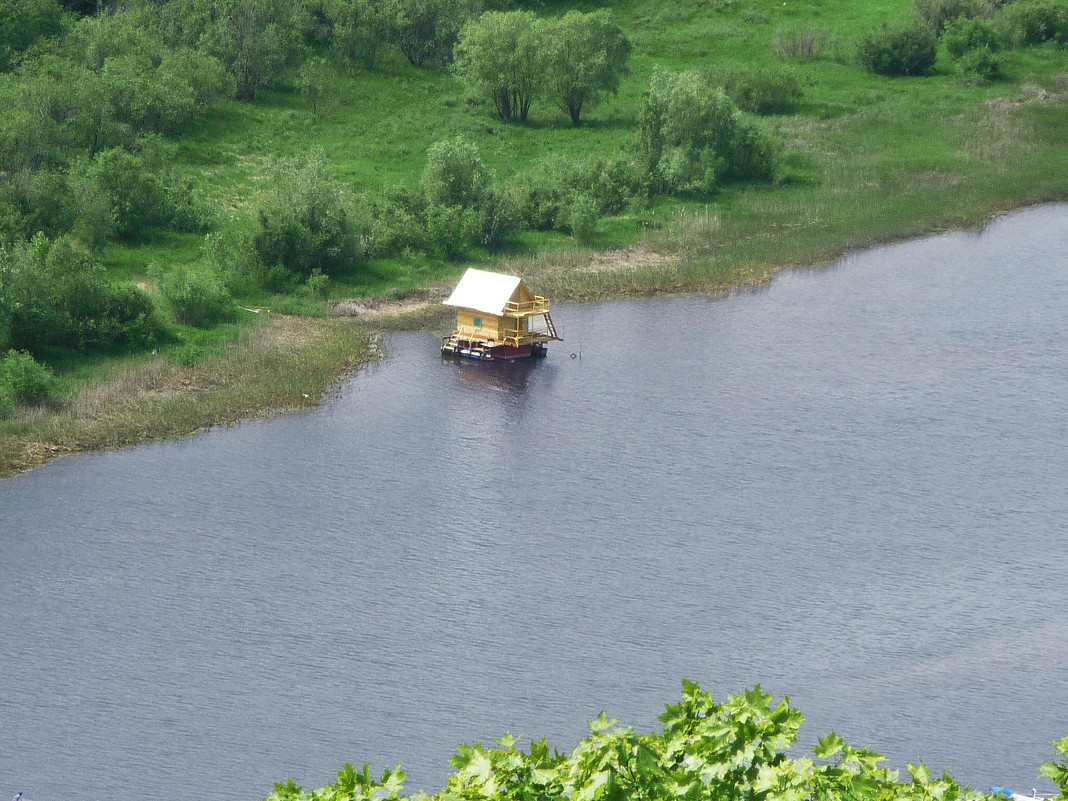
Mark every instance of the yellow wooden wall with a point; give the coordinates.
(491, 326)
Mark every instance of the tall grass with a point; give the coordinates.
(804, 43)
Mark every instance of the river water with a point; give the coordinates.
(848, 486)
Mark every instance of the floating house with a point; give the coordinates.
(497, 318)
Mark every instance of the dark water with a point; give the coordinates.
(849, 487)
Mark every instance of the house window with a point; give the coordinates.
(478, 322)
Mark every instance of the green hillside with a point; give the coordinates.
(167, 167)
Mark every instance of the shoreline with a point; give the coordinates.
(294, 363)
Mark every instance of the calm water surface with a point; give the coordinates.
(849, 487)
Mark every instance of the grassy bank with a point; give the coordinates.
(287, 363)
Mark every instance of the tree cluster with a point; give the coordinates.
(23, 22)
(515, 57)
(973, 31)
(91, 99)
(53, 295)
(425, 31)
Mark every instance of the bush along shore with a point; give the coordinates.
(738, 749)
(165, 171)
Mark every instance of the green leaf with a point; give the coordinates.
(829, 746)
(602, 723)
(920, 774)
(543, 776)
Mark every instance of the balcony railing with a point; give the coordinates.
(515, 308)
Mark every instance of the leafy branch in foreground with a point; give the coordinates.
(1058, 771)
(733, 751)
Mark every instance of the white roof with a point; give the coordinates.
(483, 291)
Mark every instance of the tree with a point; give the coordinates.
(360, 28)
(585, 56)
(313, 81)
(425, 30)
(741, 749)
(255, 40)
(1058, 771)
(503, 54)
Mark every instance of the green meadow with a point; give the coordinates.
(864, 158)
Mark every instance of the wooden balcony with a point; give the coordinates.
(515, 308)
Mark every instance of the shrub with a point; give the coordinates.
(187, 354)
(614, 183)
(691, 137)
(763, 91)
(461, 205)
(498, 219)
(26, 379)
(57, 296)
(129, 194)
(318, 284)
(982, 62)
(936, 14)
(1031, 22)
(449, 229)
(394, 224)
(107, 314)
(582, 214)
(360, 28)
(542, 199)
(454, 175)
(7, 400)
(963, 35)
(545, 195)
(43, 200)
(303, 224)
(195, 296)
(904, 50)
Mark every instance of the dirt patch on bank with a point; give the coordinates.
(375, 307)
(636, 257)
